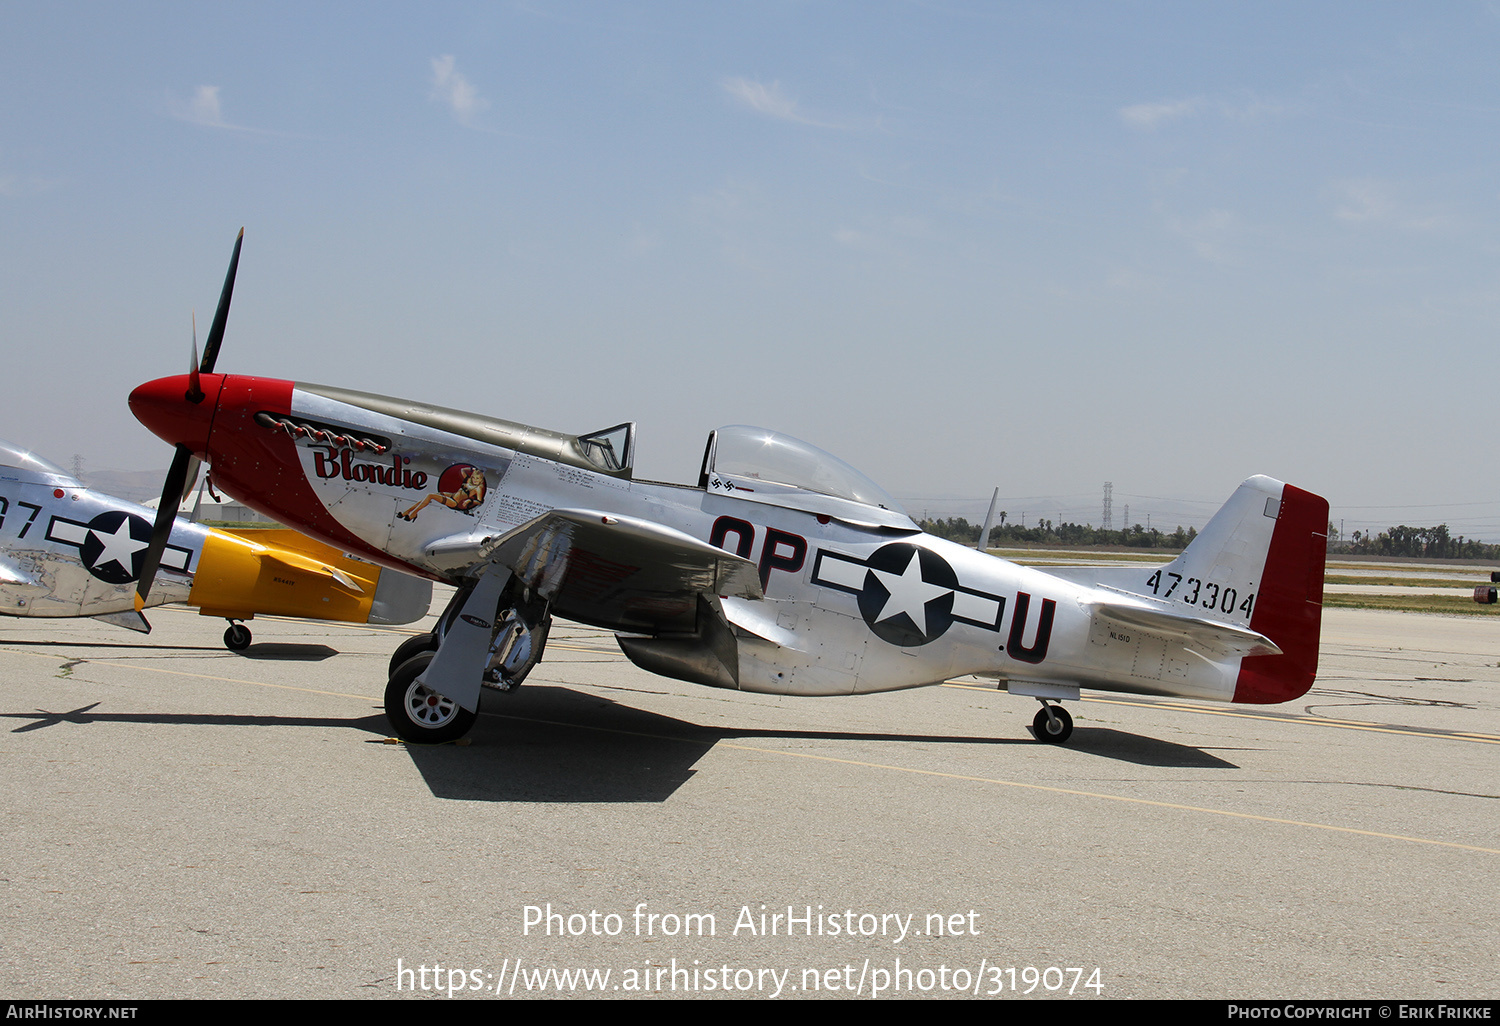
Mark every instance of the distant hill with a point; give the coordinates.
(134, 485)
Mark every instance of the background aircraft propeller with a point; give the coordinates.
(184, 469)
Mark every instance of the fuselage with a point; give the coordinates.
(856, 597)
(68, 551)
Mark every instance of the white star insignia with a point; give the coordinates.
(119, 547)
(909, 593)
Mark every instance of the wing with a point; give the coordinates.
(612, 571)
(620, 572)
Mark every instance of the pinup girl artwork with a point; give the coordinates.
(460, 487)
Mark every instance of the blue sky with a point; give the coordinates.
(960, 245)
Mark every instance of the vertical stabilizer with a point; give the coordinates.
(1259, 563)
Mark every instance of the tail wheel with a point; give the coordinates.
(412, 646)
(237, 637)
(1053, 725)
(418, 713)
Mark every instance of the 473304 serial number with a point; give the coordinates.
(1200, 593)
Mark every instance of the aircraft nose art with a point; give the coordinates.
(163, 406)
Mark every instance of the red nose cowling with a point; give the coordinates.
(164, 407)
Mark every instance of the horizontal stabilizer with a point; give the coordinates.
(297, 561)
(130, 620)
(1228, 638)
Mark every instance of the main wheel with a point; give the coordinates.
(237, 637)
(1050, 731)
(414, 645)
(418, 713)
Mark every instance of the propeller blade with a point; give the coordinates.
(221, 316)
(171, 498)
(197, 516)
(194, 392)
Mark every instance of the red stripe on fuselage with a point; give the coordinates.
(261, 467)
(1289, 608)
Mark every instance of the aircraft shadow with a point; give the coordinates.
(1142, 751)
(263, 650)
(288, 651)
(84, 716)
(550, 744)
(144, 646)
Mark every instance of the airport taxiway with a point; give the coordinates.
(184, 821)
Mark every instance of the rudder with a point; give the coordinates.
(1289, 608)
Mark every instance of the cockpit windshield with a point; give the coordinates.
(24, 459)
(610, 449)
(759, 454)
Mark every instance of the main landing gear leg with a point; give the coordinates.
(520, 641)
(1053, 725)
(496, 630)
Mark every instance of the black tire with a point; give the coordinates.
(415, 645)
(237, 637)
(417, 713)
(1049, 732)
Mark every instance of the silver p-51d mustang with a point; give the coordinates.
(782, 570)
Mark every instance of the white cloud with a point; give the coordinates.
(764, 99)
(1151, 115)
(771, 101)
(1372, 202)
(205, 110)
(1246, 108)
(205, 106)
(453, 89)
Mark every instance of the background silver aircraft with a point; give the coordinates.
(66, 550)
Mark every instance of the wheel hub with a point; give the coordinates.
(429, 708)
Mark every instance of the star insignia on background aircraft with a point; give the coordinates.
(710, 582)
(112, 545)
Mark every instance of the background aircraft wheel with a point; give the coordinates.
(414, 645)
(419, 714)
(1053, 733)
(237, 637)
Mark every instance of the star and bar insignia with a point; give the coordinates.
(907, 595)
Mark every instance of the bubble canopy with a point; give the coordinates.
(759, 454)
(17, 458)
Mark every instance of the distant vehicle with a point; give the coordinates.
(67, 550)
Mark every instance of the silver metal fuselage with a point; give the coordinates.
(836, 574)
(68, 551)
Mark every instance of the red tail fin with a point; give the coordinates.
(1289, 608)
